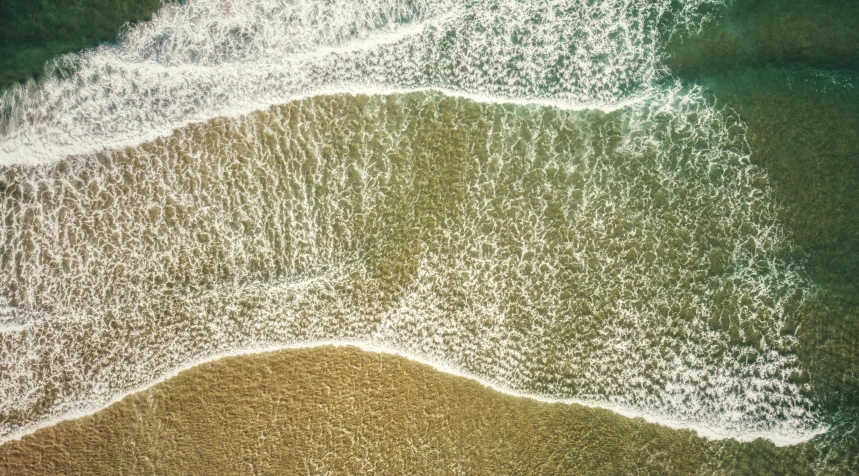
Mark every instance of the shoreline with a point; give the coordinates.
(17, 150)
(707, 433)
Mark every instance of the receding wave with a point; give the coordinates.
(631, 259)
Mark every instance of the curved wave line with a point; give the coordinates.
(371, 90)
(706, 432)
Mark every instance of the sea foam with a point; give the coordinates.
(559, 220)
(629, 259)
(213, 58)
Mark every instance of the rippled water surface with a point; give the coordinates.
(648, 207)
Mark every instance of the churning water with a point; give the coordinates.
(510, 189)
(215, 58)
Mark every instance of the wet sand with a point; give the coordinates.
(340, 410)
(345, 411)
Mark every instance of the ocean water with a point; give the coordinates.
(648, 207)
(32, 33)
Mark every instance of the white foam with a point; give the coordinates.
(620, 310)
(704, 431)
(199, 61)
(203, 60)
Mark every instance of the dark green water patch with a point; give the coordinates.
(790, 69)
(34, 31)
(757, 33)
(803, 127)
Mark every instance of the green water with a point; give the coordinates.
(776, 33)
(32, 32)
(791, 70)
(788, 69)
(804, 128)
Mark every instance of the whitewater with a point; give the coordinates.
(514, 192)
(213, 58)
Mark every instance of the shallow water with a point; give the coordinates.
(348, 410)
(591, 261)
(344, 411)
(645, 207)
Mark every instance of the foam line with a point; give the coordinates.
(707, 432)
(199, 61)
(12, 156)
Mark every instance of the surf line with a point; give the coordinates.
(54, 153)
(703, 431)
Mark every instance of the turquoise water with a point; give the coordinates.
(651, 207)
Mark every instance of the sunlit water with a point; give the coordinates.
(513, 190)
